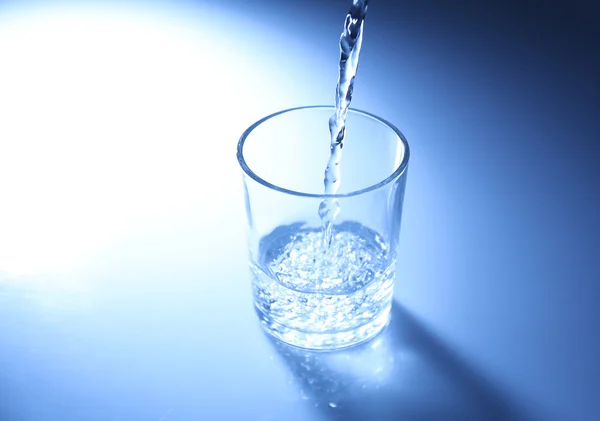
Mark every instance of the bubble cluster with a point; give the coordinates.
(305, 286)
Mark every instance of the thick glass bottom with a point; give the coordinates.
(325, 340)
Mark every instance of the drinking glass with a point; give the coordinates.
(309, 292)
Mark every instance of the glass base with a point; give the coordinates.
(325, 340)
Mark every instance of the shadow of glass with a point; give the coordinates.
(403, 373)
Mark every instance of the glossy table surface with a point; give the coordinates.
(124, 290)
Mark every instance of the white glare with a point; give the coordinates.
(110, 121)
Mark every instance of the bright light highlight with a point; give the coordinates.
(113, 121)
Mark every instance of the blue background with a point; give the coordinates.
(123, 284)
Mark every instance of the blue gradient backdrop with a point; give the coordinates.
(124, 291)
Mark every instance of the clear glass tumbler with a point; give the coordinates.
(307, 292)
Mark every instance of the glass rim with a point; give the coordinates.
(395, 174)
